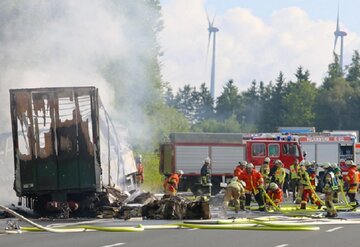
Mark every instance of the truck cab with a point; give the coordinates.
(286, 151)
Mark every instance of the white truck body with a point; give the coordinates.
(223, 158)
(329, 148)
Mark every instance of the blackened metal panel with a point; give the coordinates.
(57, 151)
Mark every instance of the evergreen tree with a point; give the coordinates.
(185, 102)
(266, 118)
(168, 95)
(250, 106)
(334, 72)
(228, 103)
(332, 99)
(299, 103)
(204, 104)
(272, 105)
(353, 69)
(301, 75)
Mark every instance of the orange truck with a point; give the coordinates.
(187, 151)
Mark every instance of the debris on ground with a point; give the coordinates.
(113, 203)
(176, 207)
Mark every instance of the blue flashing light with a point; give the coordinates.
(289, 138)
(278, 138)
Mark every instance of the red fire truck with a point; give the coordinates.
(187, 151)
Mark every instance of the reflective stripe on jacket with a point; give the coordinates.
(294, 172)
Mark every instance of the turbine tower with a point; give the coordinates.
(341, 34)
(212, 31)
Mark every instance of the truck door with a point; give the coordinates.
(256, 152)
(310, 149)
(327, 152)
(225, 158)
(166, 158)
(289, 152)
(190, 158)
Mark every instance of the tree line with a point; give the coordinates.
(333, 105)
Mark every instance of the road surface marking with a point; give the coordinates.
(282, 245)
(334, 229)
(192, 229)
(113, 245)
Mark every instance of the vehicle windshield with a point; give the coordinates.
(291, 149)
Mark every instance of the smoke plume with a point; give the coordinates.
(57, 43)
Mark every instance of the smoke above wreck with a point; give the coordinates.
(60, 43)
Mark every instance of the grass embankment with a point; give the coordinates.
(153, 180)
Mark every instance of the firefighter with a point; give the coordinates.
(275, 194)
(240, 168)
(337, 172)
(205, 173)
(302, 182)
(307, 180)
(352, 179)
(172, 182)
(140, 170)
(254, 186)
(235, 190)
(294, 178)
(279, 174)
(330, 186)
(309, 190)
(265, 171)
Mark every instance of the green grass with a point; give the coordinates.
(153, 180)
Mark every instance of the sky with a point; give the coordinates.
(256, 40)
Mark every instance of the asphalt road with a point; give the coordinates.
(329, 235)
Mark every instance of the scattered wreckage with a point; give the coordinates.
(115, 204)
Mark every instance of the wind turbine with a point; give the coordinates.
(341, 34)
(212, 31)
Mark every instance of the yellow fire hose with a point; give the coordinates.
(341, 185)
(312, 189)
(282, 210)
(255, 225)
(93, 228)
(270, 200)
(8, 210)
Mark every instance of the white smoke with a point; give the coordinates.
(59, 43)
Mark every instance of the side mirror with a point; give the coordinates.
(304, 154)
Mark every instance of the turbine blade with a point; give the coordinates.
(212, 23)
(208, 19)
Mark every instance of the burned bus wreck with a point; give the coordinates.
(56, 140)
